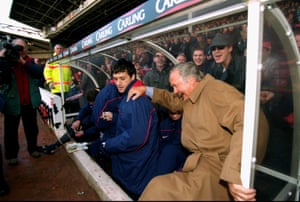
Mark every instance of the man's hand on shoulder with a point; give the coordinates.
(136, 92)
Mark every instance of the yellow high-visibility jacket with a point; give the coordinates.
(52, 74)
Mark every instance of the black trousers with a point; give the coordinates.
(2, 179)
(11, 135)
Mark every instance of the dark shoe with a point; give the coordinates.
(47, 149)
(35, 154)
(4, 188)
(12, 161)
(70, 131)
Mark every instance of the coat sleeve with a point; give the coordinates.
(167, 100)
(129, 137)
(35, 70)
(91, 131)
(226, 106)
(99, 104)
(233, 121)
(105, 100)
(83, 112)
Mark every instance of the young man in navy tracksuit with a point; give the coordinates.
(107, 102)
(134, 147)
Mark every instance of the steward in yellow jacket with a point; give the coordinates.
(52, 76)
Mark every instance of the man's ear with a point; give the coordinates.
(191, 79)
(133, 77)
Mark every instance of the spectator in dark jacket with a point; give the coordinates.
(158, 76)
(226, 66)
(199, 59)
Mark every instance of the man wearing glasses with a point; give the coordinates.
(227, 66)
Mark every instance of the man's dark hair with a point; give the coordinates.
(91, 94)
(123, 65)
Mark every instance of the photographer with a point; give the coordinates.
(21, 96)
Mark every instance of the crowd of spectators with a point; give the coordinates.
(185, 40)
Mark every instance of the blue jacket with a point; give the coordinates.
(170, 131)
(172, 154)
(134, 149)
(108, 99)
(86, 120)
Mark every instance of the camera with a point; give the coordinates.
(11, 56)
(12, 53)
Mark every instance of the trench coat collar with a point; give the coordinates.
(199, 88)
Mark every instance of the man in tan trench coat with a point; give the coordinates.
(212, 126)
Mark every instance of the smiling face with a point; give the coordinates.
(222, 54)
(182, 87)
(198, 57)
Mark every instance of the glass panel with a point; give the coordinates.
(273, 179)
